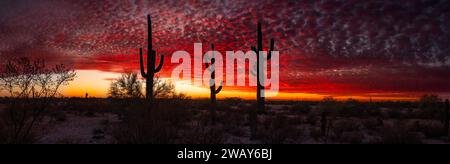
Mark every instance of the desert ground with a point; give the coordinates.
(176, 121)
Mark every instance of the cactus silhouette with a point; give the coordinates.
(151, 59)
(260, 82)
(212, 82)
(253, 116)
(212, 86)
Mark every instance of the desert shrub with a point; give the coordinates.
(232, 122)
(68, 140)
(228, 103)
(231, 117)
(328, 105)
(155, 126)
(429, 106)
(394, 113)
(147, 132)
(345, 125)
(354, 137)
(295, 120)
(234, 130)
(276, 130)
(58, 115)
(198, 134)
(3, 129)
(352, 108)
(18, 125)
(398, 133)
(300, 108)
(372, 123)
(431, 129)
(90, 113)
(316, 133)
(374, 112)
(32, 86)
(127, 85)
(311, 118)
(98, 134)
(105, 122)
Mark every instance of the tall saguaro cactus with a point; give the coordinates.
(260, 73)
(260, 76)
(151, 59)
(212, 85)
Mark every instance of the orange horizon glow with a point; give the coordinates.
(96, 84)
(360, 52)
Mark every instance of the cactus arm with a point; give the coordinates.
(141, 61)
(161, 63)
(219, 89)
(272, 43)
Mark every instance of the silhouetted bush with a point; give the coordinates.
(431, 129)
(57, 115)
(352, 108)
(372, 123)
(199, 134)
(316, 133)
(354, 137)
(276, 130)
(430, 107)
(312, 117)
(32, 86)
(300, 108)
(339, 127)
(21, 131)
(398, 133)
(146, 127)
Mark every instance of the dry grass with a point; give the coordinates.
(176, 121)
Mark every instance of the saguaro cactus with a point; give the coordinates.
(260, 82)
(212, 82)
(253, 117)
(212, 86)
(151, 59)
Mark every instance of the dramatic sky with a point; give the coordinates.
(344, 48)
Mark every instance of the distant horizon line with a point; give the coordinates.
(250, 99)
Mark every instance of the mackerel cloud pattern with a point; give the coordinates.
(327, 46)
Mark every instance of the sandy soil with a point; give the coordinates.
(81, 130)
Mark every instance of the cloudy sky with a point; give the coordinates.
(347, 48)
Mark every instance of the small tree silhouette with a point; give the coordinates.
(128, 86)
(31, 86)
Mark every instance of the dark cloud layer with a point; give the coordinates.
(327, 46)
